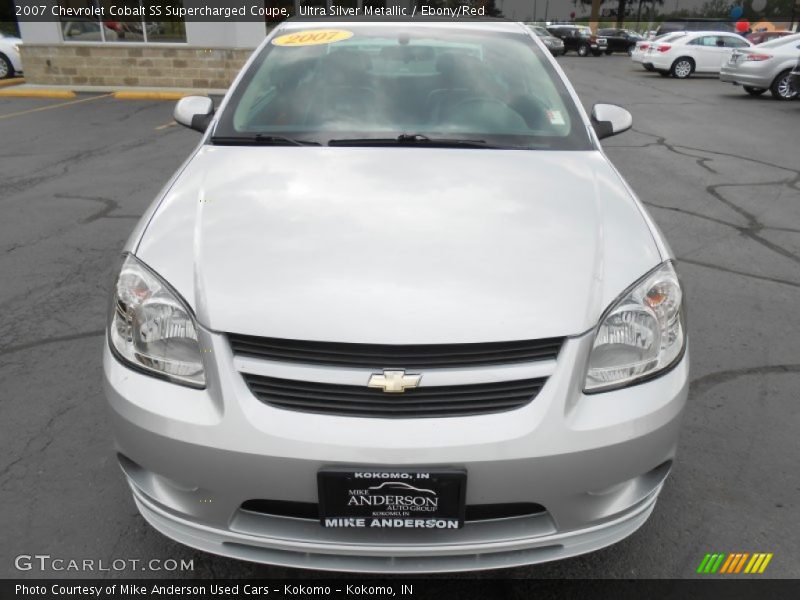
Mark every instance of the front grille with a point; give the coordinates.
(361, 401)
(310, 510)
(403, 356)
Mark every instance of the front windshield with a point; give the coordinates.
(375, 81)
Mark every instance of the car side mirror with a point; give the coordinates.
(194, 112)
(610, 119)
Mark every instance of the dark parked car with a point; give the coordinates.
(620, 40)
(579, 38)
(759, 37)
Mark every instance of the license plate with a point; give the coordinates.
(392, 498)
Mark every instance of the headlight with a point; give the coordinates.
(640, 334)
(152, 329)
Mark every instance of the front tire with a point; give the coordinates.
(682, 67)
(6, 69)
(583, 50)
(754, 91)
(781, 88)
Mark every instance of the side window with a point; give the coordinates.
(732, 42)
(709, 41)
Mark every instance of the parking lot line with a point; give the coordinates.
(145, 95)
(51, 106)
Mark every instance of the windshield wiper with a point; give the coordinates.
(261, 139)
(413, 139)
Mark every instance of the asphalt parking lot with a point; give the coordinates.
(719, 170)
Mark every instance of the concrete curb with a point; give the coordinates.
(23, 91)
(12, 81)
(20, 89)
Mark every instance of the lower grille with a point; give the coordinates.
(474, 512)
(361, 401)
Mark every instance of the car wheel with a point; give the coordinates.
(782, 88)
(754, 91)
(649, 67)
(682, 67)
(609, 51)
(6, 70)
(583, 50)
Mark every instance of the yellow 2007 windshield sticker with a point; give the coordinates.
(312, 37)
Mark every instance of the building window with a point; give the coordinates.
(129, 30)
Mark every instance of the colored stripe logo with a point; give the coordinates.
(734, 563)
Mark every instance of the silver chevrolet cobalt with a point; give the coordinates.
(397, 312)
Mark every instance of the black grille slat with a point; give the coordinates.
(432, 401)
(395, 407)
(406, 356)
(310, 510)
(305, 388)
(389, 399)
(465, 411)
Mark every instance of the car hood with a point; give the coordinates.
(398, 245)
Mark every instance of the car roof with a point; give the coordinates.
(696, 34)
(713, 32)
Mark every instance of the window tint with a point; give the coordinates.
(732, 42)
(708, 41)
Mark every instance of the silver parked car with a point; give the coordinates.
(397, 312)
(764, 67)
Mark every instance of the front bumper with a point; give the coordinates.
(661, 61)
(596, 463)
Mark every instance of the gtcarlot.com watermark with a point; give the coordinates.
(47, 562)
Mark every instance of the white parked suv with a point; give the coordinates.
(696, 52)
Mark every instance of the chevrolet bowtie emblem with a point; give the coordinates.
(393, 381)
